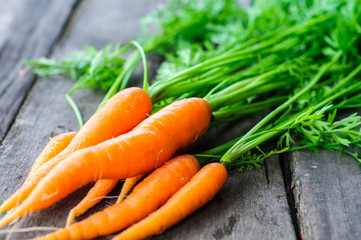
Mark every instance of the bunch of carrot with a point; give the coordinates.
(107, 148)
(121, 142)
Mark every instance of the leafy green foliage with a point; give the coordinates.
(298, 57)
(90, 68)
(331, 135)
(308, 125)
(252, 160)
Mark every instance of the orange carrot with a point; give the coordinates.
(139, 151)
(100, 189)
(146, 197)
(119, 115)
(55, 145)
(198, 191)
(128, 184)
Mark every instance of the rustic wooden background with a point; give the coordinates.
(302, 195)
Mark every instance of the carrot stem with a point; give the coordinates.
(226, 158)
(75, 108)
(145, 65)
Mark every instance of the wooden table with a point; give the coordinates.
(293, 196)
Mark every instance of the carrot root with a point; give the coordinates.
(21, 194)
(119, 115)
(141, 150)
(128, 185)
(100, 189)
(146, 197)
(197, 192)
(54, 147)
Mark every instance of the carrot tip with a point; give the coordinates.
(3, 208)
(7, 219)
(120, 198)
(70, 218)
(8, 204)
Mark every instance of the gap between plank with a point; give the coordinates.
(266, 170)
(287, 179)
(67, 24)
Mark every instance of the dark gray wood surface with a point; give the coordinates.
(252, 204)
(327, 193)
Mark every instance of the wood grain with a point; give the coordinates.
(327, 194)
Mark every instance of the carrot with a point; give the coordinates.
(55, 145)
(198, 191)
(139, 151)
(119, 115)
(100, 189)
(128, 184)
(146, 197)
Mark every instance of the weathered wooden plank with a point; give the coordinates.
(98, 23)
(28, 29)
(327, 193)
(251, 205)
